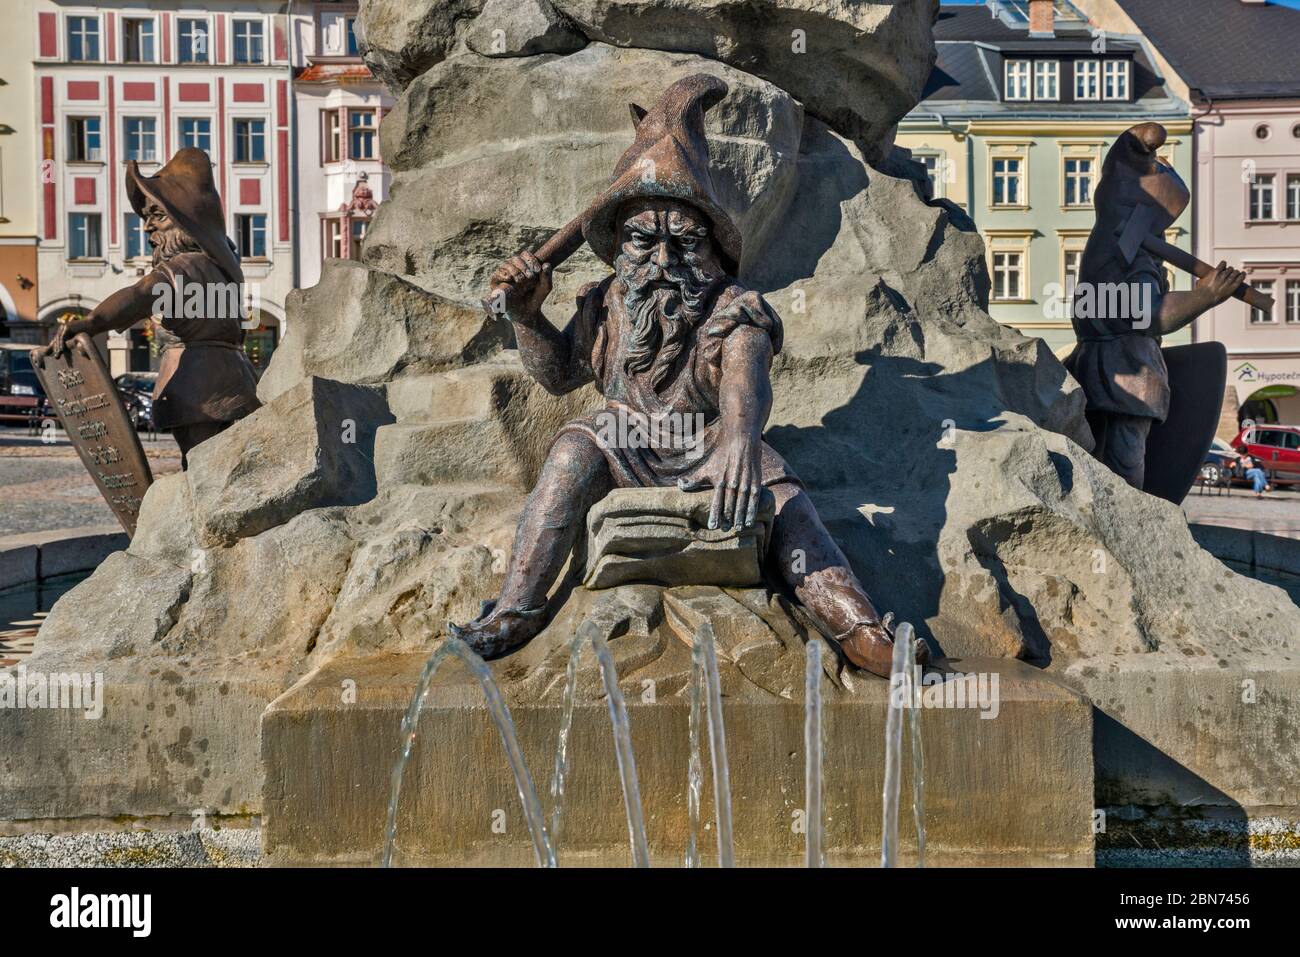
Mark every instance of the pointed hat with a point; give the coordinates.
(184, 188)
(668, 160)
(1137, 194)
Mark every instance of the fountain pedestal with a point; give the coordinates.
(1016, 787)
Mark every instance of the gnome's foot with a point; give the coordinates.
(870, 645)
(499, 631)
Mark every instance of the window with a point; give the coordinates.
(1293, 196)
(1070, 259)
(1078, 182)
(84, 144)
(137, 240)
(250, 141)
(1086, 79)
(251, 230)
(361, 134)
(1259, 316)
(1007, 275)
(1017, 80)
(1046, 76)
(83, 236)
(1263, 131)
(353, 47)
(933, 165)
(141, 135)
(1006, 182)
(137, 40)
(333, 238)
(1261, 197)
(1293, 300)
(248, 41)
(1115, 79)
(193, 36)
(332, 137)
(196, 132)
(83, 39)
(359, 227)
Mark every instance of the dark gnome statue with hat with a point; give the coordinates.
(205, 381)
(669, 333)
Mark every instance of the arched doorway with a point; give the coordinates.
(1279, 403)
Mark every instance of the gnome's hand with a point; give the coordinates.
(520, 285)
(1221, 283)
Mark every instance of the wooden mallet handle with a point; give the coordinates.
(1188, 263)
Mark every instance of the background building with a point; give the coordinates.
(1024, 101)
(19, 276)
(1243, 82)
(122, 81)
(341, 178)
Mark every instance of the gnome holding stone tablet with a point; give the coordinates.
(194, 291)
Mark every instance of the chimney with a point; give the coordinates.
(1042, 18)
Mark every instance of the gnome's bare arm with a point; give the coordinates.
(118, 312)
(735, 470)
(520, 285)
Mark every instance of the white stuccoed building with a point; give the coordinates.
(341, 177)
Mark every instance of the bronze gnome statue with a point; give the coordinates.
(1123, 306)
(205, 381)
(669, 332)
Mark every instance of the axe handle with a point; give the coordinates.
(1188, 263)
(564, 242)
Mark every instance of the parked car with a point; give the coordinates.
(136, 390)
(21, 397)
(1275, 448)
(1222, 465)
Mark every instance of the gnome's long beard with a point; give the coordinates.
(172, 242)
(662, 315)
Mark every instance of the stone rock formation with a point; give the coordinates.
(374, 495)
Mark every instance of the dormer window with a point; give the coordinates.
(1115, 79)
(1087, 79)
(1017, 80)
(1033, 80)
(1047, 80)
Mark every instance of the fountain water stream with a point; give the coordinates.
(542, 849)
(591, 632)
(812, 742)
(899, 689)
(705, 672)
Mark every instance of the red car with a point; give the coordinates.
(1275, 449)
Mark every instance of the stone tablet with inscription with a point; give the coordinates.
(86, 401)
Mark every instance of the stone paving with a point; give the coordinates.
(45, 486)
(1277, 513)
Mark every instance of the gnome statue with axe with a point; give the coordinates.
(670, 332)
(1123, 306)
(194, 292)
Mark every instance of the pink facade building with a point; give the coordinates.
(1236, 63)
(277, 95)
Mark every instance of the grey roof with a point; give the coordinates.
(971, 44)
(1225, 49)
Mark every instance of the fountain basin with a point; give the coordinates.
(1015, 789)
